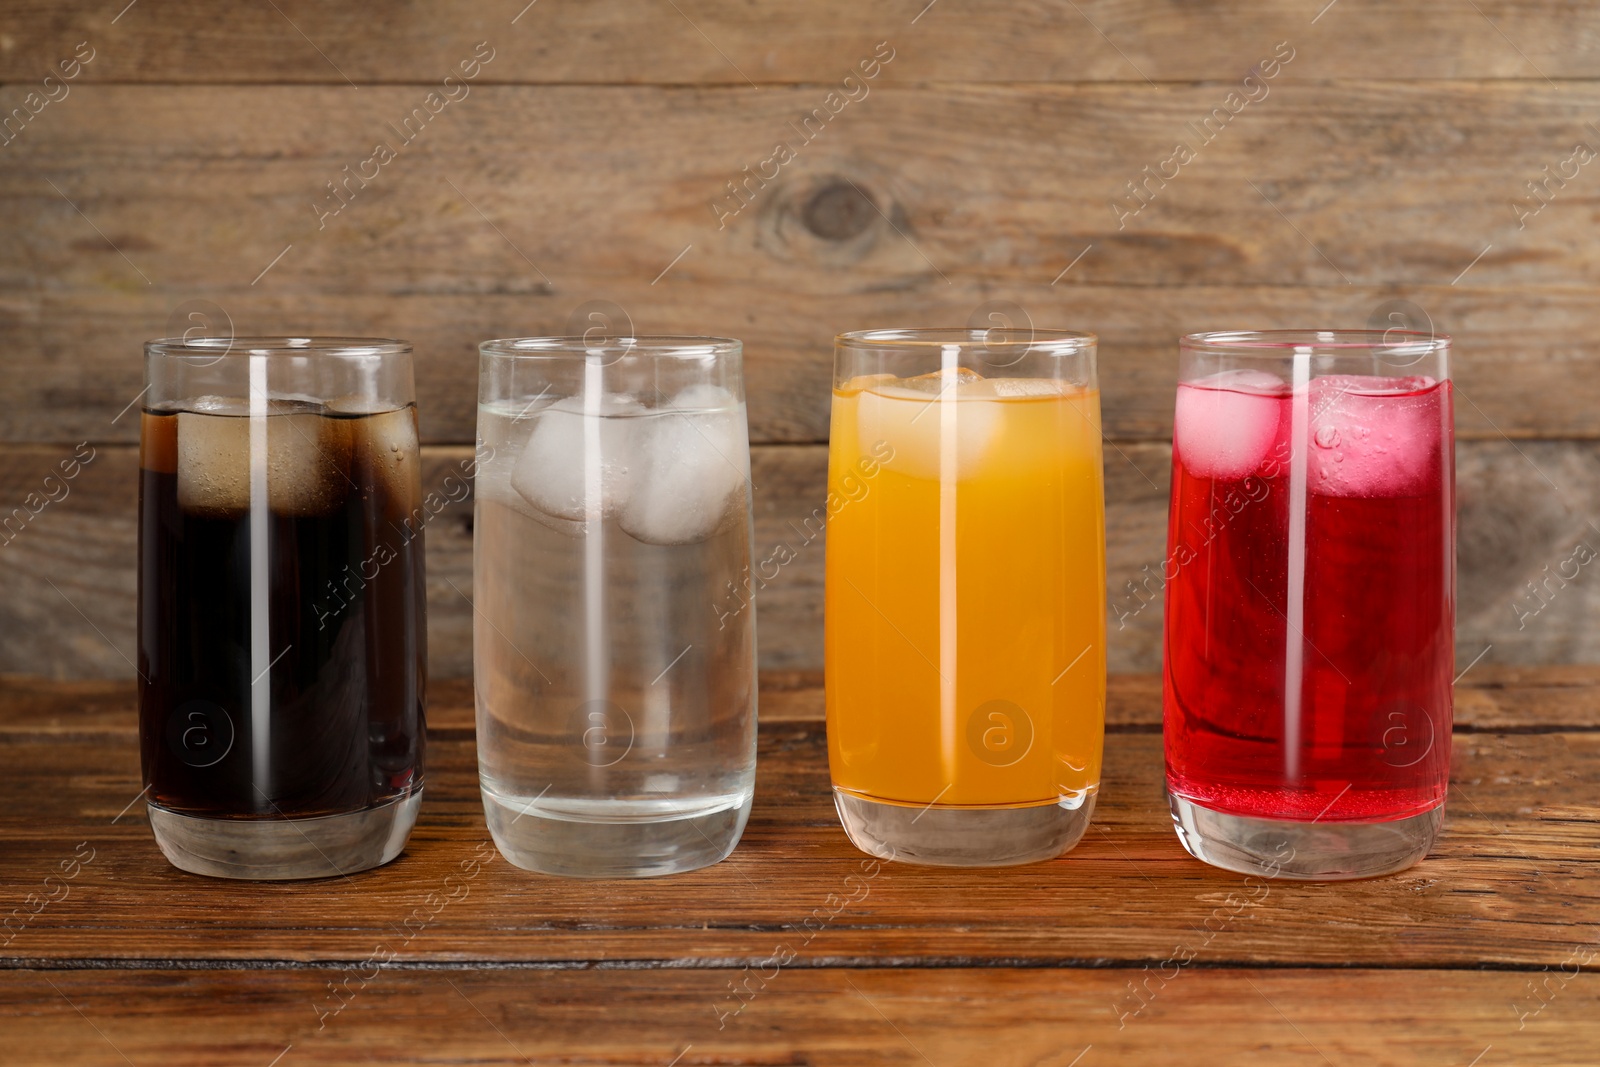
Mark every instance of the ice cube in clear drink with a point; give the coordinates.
(692, 461)
(578, 463)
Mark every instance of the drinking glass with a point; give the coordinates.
(1310, 600)
(965, 593)
(614, 648)
(281, 604)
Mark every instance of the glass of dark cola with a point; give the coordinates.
(282, 633)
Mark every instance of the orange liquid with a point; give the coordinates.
(965, 598)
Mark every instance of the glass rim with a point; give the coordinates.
(1071, 341)
(216, 348)
(1277, 344)
(656, 346)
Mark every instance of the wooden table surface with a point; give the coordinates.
(798, 949)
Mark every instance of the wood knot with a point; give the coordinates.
(827, 220)
(838, 211)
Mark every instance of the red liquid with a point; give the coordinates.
(1370, 740)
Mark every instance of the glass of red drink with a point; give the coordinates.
(1310, 600)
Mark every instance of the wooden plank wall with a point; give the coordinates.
(1381, 170)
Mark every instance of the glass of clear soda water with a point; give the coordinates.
(614, 645)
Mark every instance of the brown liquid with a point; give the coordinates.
(340, 643)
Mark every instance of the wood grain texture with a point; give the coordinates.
(515, 207)
(1510, 882)
(1525, 370)
(68, 609)
(826, 1018)
(1491, 698)
(766, 42)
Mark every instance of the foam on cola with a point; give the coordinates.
(261, 694)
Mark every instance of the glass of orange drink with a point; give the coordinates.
(965, 593)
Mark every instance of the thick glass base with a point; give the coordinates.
(961, 837)
(1303, 851)
(581, 838)
(283, 849)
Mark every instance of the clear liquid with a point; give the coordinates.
(615, 677)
